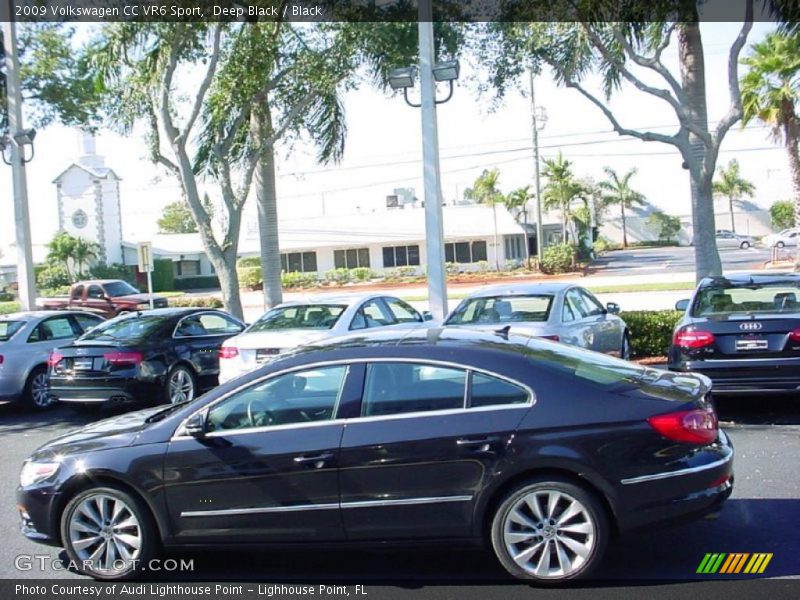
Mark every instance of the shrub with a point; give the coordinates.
(557, 259)
(249, 261)
(601, 245)
(407, 271)
(195, 302)
(340, 275)
(299, 280)
(452, 268)
(512, 265)
(163, 275)
(62, 290)
(202, 282)
(666, 225)
(52, 276)
(482, 265)
(650, 331)
(249, 277)
(782, 214)
(6, 296)
(361, 274)
(9, 307)
(115, 271)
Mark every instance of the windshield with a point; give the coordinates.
(9, 328)
(746, 299)
(503, 309)
(119, 288)
(299, 316)
(130, 327)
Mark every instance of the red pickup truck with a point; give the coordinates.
(105, 297)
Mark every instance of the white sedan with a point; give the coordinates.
(295, 323)
(787, 237)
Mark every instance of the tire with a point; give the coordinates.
(36, 395)
(537, 541)
(779, 245)
(744, 245)
(625, 349)
(181, 385)
(89, 533)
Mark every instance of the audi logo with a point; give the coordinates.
(750, 326)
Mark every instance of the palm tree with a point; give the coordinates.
(83, 252)
(60, 250)
(485, 191)
(770, 90)
(561, 190)
(733, 186)
(518, 198)
(618, 190)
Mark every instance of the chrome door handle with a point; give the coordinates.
(316, 461)
(477, 445)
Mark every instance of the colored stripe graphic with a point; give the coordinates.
(734, 563)
(711, 563)
(758, 563)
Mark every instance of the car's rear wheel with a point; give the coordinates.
(37, 393)
(549, 531)
(108, 533)
(181, 385)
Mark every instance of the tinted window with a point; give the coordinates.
(9, 328)
(56, 328)
(120, 288)
(401, 311)
(502, 309)
(95, 291)
(491, 391)
(397, 388)
(780, 297)
(217, 324)
(300, 397)
(86, 322)
(310, 316)
(129, 327)
(374, 316)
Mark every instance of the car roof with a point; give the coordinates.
(512, 289)
(750, 278)
(347, 299)
(31, 315)
(96, 281)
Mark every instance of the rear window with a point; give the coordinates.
(131, 327)
(9, 328)
(503, 309)
(745, 299)
(300, 316)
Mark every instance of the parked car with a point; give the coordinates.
(743, 331)
(557, 311)
(729, 239)
(388, 436)
(787, 237)
(164, 355)
(26, 340)
(105, 297)
(291, 324)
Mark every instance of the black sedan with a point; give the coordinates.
(162, 355)
(742, 331)
(444, 434)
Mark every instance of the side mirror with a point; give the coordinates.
(195, 426)
(682, 305)
(427, 316)
(612, 308)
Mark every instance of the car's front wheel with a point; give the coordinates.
(745, 245)
(780, 245)
(108, 533)
(549, 531)
(625, 350)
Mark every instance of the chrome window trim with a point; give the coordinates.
(678, 473)
(229, 512)
(177, 435)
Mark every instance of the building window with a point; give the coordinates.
(299, 262)
(400, 256)
(187, 268)
(79, 219)
(515, 247)
(351, 258)
(465, 252)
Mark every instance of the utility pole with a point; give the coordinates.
(25, 280)
(535, 128)
(434, 233)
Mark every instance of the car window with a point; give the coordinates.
(77, 292)
(217, 324)
(130, 327)
(298, 397)
(120, 288)
(572, 309)
(371, 315)
(747, 299)
(591, 305)
(95, 291)
(9, 328)
(402, 312)
(86, 322)
(190, 327)
(397, 388)
(54, 328)
(303, 316)
(491, 391)
(502, 309)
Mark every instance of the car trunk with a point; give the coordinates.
(93, 360)
(764, 336)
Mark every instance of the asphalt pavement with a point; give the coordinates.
(761, 516)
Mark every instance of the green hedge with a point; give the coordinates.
(650, 331)
(203, 282)
(298, 280)
(196, 302)
(9, 307)
(558, 259)
(163, 275)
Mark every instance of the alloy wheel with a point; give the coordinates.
(181, 386)
(105, 533)
(40, 394)
(549, 534)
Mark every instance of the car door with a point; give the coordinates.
(607, 328)
(97, 302)
(49, 334)
(266, 468)
(412, 462)
(576, 324)
(199, 336)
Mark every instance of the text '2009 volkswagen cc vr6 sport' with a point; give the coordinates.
(540, 449)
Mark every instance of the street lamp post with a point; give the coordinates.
(538, 120)
(15, 143)
(430, 72)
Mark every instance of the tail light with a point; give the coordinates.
(696, 426)
(228, 352)
(123, 358)
(553, 338)
(693, 338)
(1, 359)
(794, 336)
(54, 359)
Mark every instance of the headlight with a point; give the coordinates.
(34, 472)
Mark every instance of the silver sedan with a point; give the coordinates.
(26, 340)
(558, 311)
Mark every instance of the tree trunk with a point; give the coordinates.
(624, 227)
(267, 206)
(733, 219)
(790, 136)
(707, 262)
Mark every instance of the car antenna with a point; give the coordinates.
(503, 331)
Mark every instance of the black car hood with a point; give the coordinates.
(115, 432)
